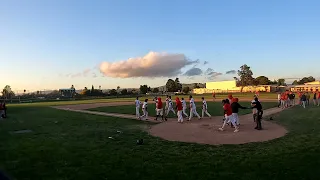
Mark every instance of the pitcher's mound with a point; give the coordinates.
(206, 131)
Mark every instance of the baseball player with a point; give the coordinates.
(159, 109)
(184, 105)
(167, 105)
(235, 109)
(145, 110)
(179, 110)
(228, 116)
(137, 103)
(193, 109)
(170, 106)
(205, 108)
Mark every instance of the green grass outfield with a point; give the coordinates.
(247, 96)
(214, 108)
(73, 146)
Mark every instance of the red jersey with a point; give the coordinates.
(319, 95)
(159, 103)
(227, 109)
(178, 104)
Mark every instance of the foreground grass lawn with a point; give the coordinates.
(214, 108)
(67, 145)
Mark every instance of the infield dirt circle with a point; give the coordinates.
(204, 131)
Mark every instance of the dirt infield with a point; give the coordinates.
(204, 131)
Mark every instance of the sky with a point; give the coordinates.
(52, 44)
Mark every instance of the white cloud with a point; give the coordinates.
(153, 64)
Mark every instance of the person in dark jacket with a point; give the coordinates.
(5, 109)
(2, 110)
(303, 100)
(235, 109)
(315, 98)
(256, 104)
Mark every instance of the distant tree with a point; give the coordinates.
(124, 91)
(245, 76)
(113, 92)
(171, 86)
(143, 89)
(54, 94)
(85, 91)
(262, 80)
(134, 91)
(281, 82)
(72, 87)
(306, 80)
(118, 87)
(92, 88)
(178, 84)
(186, 89)
(7, 93)
(295, 82)
(195, 85)
(149, 89)
(155, 90)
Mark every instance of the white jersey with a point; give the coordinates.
(145, 105)
(170, 103)
(156, 103)
(137, 102)
(192, 103)
(167, 102)
(204, 104)
(184, 104)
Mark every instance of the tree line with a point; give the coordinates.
(245, 78)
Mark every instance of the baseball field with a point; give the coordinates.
(96, 139)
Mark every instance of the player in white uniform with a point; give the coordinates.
(205, 108)
(145, 110)
(137, 103)
(170, 106)
(184, 106)
(193, 109)
(167, 105)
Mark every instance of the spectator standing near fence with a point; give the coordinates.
(2, 111)
(303, 100)
(318, 98)
(307, 99)
(315, 98)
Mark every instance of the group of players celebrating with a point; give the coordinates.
(230, 106)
